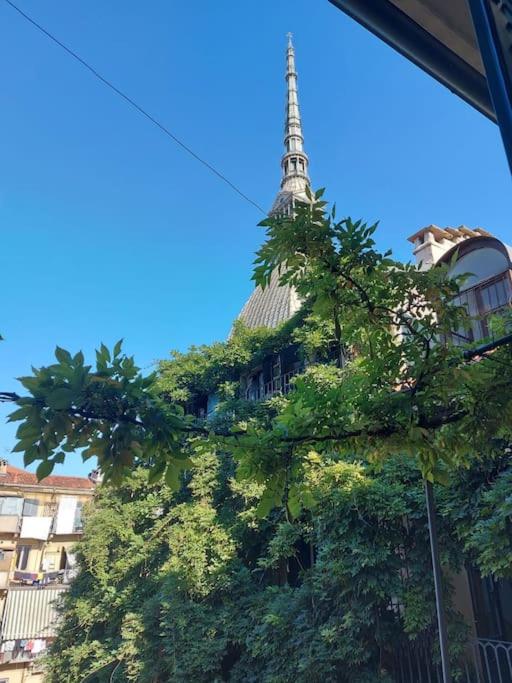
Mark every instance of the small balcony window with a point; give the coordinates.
(22, 557)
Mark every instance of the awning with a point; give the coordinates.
(36, 527)
(437, 35)
(31, 613)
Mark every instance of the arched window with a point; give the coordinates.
(481, 264)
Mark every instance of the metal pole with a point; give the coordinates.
(488, 34)
(436, 566)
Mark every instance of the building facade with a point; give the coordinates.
(40, 523)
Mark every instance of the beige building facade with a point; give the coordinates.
(40, 523)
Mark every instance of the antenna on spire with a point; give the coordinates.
(289, 36)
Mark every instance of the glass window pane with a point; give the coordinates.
(30, 507)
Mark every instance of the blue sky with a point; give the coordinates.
(110, 230)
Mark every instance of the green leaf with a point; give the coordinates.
(172, 478)
(62, 355)
(19, 414)
(117, 348)
(23, 445)
(265, 505)
(294, 506)
(156, 472)
(60, 399)
(29, 456)
(44, 469)
(104, 353)
(78, 359)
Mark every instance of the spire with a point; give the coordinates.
(294, 161)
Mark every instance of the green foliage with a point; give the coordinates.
(284, 539)
(480, 504)
(203, 369)
(192, 586)
(403, 389)
(112, 413)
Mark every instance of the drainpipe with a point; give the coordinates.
(436, 566)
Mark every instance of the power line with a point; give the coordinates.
(134, 104)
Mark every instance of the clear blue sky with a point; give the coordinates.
(109, 230)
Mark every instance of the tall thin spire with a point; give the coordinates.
(294, 161)
(276, 303)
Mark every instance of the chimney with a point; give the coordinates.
(95, 476)
(3, 467)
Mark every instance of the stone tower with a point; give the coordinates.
(276, 304)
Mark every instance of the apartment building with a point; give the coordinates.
(40, 523)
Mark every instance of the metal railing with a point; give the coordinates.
(280, 385)
(490, 661)
(57, 576)
(485, 661)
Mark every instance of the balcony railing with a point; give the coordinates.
(485, 661)
(484, 300)
(58, 576)
(279, 385)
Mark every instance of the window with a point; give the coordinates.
(10, 506)
(78, 523)
(22, 557)
(30, 506)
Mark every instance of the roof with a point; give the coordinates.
(452, 234)
(271, 306)
(18, 477)
(31, 613)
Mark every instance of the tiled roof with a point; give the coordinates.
(452, 234)
(271, 306)
(18, 477)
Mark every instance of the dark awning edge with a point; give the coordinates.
(412, 41)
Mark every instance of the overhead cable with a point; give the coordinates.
(136, 106)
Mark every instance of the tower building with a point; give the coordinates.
(276, 304)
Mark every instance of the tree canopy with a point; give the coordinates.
(286, 538)
(406, 387)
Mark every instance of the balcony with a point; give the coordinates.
(258, 390)
(279, 385)
(56, 577)
(37, 528)
(482, 302)
(10, 524)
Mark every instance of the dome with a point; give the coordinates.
(271, 306)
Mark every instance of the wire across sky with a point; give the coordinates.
(136, 106)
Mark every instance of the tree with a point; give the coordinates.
(406, 390)
(195, 585)
(403, 390)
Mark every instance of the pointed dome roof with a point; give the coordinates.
(271, 306)
(276, 304)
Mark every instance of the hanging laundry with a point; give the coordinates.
(39, 646)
